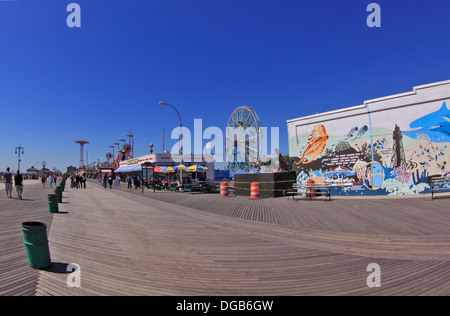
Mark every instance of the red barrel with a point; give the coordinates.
(223, 188)
(310, 191)
(254, 190)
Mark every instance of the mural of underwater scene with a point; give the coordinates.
(383, 160)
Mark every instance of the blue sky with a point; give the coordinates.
(284, 58)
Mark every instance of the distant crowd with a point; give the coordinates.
(52, 178)
(78, 181)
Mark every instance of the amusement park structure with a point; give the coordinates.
(124, 152)
(82, 143)
(244, 145)
(243, 149)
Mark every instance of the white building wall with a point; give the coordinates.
(356, 136)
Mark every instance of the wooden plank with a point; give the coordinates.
(16, 276)
(132, 243)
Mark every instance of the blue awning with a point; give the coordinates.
(129, 168)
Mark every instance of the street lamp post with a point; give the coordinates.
(118, 147)
(19, 150)
(113, 147)
(122, 140)
(180, 148)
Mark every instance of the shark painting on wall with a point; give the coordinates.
(435, 125)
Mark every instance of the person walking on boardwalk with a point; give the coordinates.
(18, 182)
(43, 180)
(110, 181)
(129, 182)
(105, 181)
(50, 181)
(8, 183)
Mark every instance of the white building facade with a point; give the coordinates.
(392, 145)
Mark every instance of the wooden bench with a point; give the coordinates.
(231, 190)
(440, 185)
(310, 190)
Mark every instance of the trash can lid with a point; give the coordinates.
(33, 224)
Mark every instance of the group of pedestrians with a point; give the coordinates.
(51, 180)
(78, 181)
(107, 180)
(133, 180)
(18, 183)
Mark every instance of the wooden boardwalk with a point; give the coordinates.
(167, 243)
(16, 277)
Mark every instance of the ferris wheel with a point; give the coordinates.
(243, 149)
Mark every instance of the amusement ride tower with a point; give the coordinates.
(82, 143)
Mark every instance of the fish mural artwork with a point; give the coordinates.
(316, 144)
(357, 132)
(393, 145)
(435, 125)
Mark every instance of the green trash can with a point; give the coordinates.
(53, 203)
(58, 192)
(36, 244)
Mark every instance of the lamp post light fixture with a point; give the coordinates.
(118, 147)
(180, 148)
(19, 150)
(113, 151)
(121, 151)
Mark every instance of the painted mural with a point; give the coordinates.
(385, 158)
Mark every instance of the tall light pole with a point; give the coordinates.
(122, 151)
(122, 140)
(113, 147)
(180, 148)
(19, 150)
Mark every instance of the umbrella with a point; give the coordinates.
(179, 167)
(196, 168)
(157, 169)
(169, 170)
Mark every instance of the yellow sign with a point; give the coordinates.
(133, 162)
